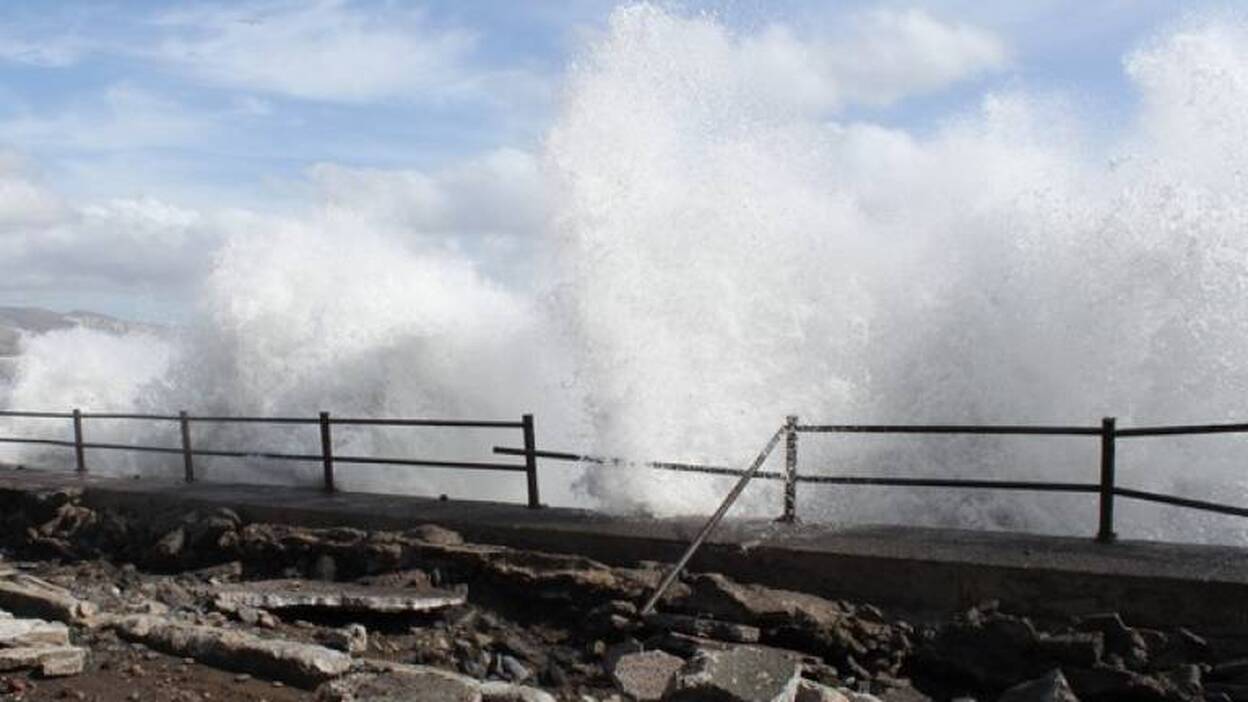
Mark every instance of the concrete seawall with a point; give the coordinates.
(1151, 584)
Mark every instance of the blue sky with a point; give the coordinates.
(131, 130)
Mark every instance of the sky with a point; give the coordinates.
(136, 137)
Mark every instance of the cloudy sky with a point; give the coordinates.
(136, 135)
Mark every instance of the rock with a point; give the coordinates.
(170, 545)
(51, 661)
(1082, 649)
(279, 659)
(743, 674)
(434, 534)
(507, 692)
(994, 650)
(399, 683)
(347, 597)
(1120, 639)
(352, 638)
(1052, 687)
(808, 691)
(248, 615)
(706, 628)
(27, 595)
(645, 676)
(1109, 683)
(1185, 681)
(513, 669)
(720, 597)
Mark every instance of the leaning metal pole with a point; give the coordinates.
(712, 522)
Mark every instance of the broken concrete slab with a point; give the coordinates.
(400, 683)
(383, 681)
(645, 676)
(714, 594)
(50, 661)
(30, 596)
(300, 664)
(742, 674)
(15, 633)
(346, 597)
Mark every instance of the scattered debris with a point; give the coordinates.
(158, 601)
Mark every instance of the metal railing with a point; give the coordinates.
(326, 457)
(1105, 487)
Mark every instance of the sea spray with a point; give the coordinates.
(721, 254)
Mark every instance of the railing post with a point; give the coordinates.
(327, 452)
(79, 453)
(188, 463)
(790, 470)
(530, 461)
(1106, 534)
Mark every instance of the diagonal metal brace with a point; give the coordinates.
(711, 523)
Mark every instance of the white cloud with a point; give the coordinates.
(323, 50)
(50, 245)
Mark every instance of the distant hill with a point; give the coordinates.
(16, 321)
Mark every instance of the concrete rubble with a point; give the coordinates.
(25, 594)
(207, 598)
(276, 659)
(644, 676)
(386, 682)
(743, 674)
(39, 645)
(346, 597)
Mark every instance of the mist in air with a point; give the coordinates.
(718, 252)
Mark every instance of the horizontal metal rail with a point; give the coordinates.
(125, 415)
(47, 442)
(254, 420)
(1019, 430)
(972, 483)
(658, 465)
(1187, 429)
(508, 467)
(38, 415)
(1181, 501)
(467, 423)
